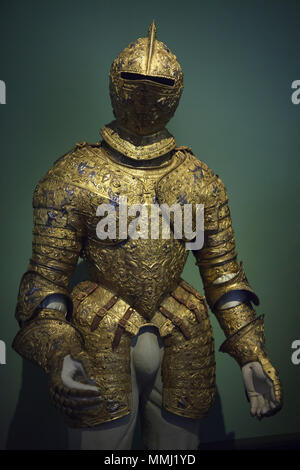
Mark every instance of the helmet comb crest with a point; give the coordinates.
(151, 40)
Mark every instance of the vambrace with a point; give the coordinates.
(233, 319)
(228, 288)
(247, 343)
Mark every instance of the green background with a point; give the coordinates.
(239, 59)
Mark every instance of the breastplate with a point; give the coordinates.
(141, 271)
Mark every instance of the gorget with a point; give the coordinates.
(138, 147)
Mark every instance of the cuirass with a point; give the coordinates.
(140, 270)
(143, 270)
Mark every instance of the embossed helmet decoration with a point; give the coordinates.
(146, 82)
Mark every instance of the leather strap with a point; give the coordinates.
(177, 322)
(102, 312)
(82, 295)
(188, 305)
(121, 327)
(191, 290)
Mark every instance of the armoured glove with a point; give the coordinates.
(52, 343)
(258, 384)
(261, 379)
(71, 389)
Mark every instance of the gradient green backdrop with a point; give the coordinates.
(239, 59)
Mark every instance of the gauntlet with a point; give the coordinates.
(47, 341)
(247, 344)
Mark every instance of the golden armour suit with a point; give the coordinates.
(134, 282)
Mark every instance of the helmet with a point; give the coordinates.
(146, 82)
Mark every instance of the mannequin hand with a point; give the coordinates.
(260, 390)
(67, 393)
